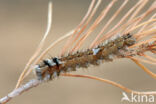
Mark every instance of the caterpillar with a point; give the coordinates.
(51, 68)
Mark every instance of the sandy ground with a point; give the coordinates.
(22, 25)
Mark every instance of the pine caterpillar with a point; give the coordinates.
(51, 68)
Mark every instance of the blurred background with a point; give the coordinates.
(22, 25)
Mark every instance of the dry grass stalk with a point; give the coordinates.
(130, 23)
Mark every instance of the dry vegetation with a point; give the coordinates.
(141, 26)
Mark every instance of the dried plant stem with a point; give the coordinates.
(108, 35)
(93, 26)
(85, 25)
(144, 27)
(144, 68)
(143, 42)
(20, 90)
(109, 82)
(100, 79)
(122, 19)
(38, 50)
(78, 27)
(142, 24)
(34, 83)
(108, 23)
(149, 57)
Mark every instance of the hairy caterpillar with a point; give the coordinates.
(51, 68)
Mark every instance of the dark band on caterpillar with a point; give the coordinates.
(51, 68)
(56, 61)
